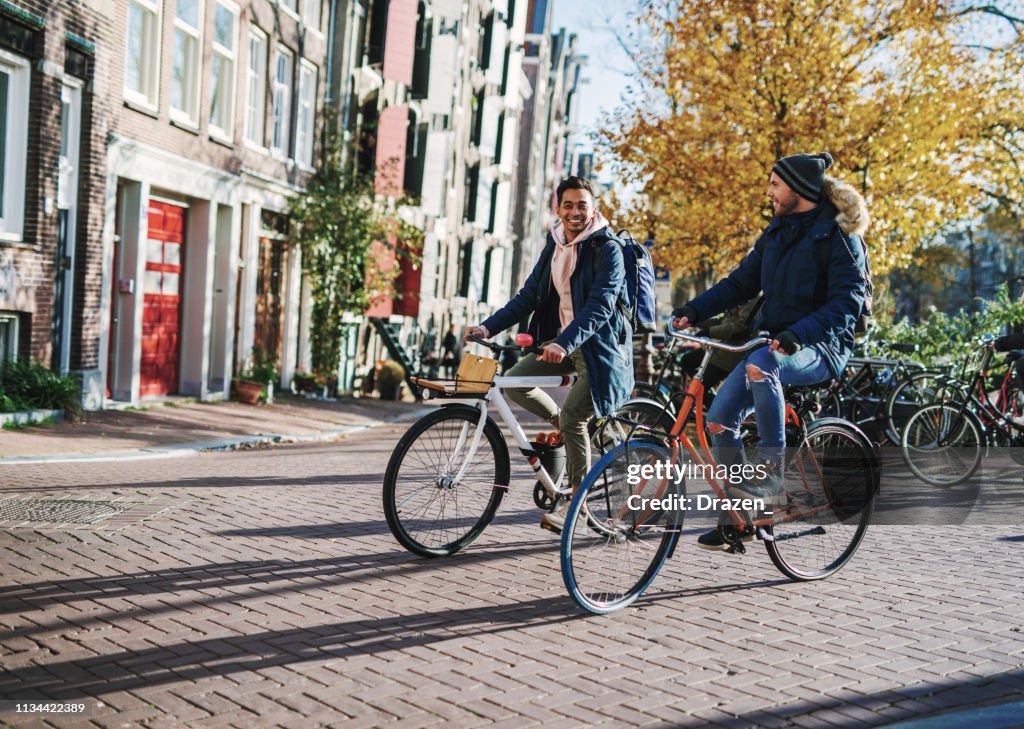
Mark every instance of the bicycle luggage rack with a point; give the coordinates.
(474, 378)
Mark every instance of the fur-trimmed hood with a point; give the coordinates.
(853, 211)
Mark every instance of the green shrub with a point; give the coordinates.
(264, 367)
(27, 386)
(391, 373)
(945, 338)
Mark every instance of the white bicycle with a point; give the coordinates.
(450, 471)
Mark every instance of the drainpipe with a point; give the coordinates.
(330, 52)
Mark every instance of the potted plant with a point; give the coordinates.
(304, 381)
(389, 376)
(247, 389)
(257, 378)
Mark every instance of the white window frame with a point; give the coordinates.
(12, 208)
(289, 6)
(149, 96)
(191, 95)
(256, 98)
(281, 106)
(225, 132)
(305, 100)
(308, 18)
(11, 345)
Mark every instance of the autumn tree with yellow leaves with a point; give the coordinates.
(920, 103)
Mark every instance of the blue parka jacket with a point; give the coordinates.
(598, 326)
(821, 310)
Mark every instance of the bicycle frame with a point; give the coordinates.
(494, 397)
(704, 457)
(975, 397)
(859, 385)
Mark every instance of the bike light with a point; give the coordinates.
(524, 340)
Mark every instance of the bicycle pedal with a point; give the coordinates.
(764, 536)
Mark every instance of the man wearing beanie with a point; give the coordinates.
(810, 313)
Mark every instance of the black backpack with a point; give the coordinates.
(823, 253)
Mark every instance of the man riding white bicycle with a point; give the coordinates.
(810, 313)
(572, 297)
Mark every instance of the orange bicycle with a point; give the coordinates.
(624, 520)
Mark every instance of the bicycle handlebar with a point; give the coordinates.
(496, 348)
(712, 344)
(900, 347)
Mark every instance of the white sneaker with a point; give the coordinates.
(554, 520)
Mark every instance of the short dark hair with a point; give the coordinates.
(574, 183)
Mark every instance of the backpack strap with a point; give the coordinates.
(823, 257)
(624, 311)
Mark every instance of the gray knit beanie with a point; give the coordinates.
(805, 173)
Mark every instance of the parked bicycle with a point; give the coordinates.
(620, 529)
(450, 471)
(879, 393)
(944, 441)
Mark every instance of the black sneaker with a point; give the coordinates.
(713, 540)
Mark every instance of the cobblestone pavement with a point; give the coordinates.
(262, 588)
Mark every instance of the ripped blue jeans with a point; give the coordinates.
(756, 385)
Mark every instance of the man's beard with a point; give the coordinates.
(785, 208)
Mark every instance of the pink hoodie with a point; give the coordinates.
(563, 263)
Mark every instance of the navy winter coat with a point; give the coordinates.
(821, 310)
(598, 327)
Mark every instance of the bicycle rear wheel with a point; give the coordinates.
(427, 510)
(942, 444)
(830, 490)
(610, 552)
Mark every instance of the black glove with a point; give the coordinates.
(688, 311)
(704, 333)
(788, 343)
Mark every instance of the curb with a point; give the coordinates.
(178, 450)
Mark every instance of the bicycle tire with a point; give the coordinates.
(943, 446)
(610, 554)
(831, 404)
(645, 412)
(649, 391)
(831, 481)
(428, 514)
(910, 395)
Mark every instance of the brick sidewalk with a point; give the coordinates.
(264, 589)
(184, 424)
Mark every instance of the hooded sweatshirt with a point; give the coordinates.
(563, 263)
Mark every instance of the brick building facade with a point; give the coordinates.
(52, 201)
(188, 126)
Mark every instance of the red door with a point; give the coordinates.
(161, 302)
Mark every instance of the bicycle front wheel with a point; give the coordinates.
(641, 411)
(430, 510)
(942, 444)
(830, 494)
(910, 395)
(620, 527)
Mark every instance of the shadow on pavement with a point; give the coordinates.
(223, 656)
(361, 528)
(939, 701)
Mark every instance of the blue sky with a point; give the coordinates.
(607, 65)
